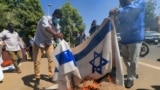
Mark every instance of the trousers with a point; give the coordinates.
(130, 54)
(16, 57)
(37, 56)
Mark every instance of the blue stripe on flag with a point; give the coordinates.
(95, 41)
(65, 56)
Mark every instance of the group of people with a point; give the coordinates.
(129, 17)
(43, 41)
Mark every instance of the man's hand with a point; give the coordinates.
(3, 43)
(60, 35)
(113, 12)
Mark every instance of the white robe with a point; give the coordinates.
(1, 61)
(1, 71)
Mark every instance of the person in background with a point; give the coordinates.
(23, 46)
(94, 27)
(31, 42)
(130, 20)
(77, 38)
(12, 43)
(44, 36)
(82, 37)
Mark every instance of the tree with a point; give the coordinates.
(8, 12)
(29, 12)
(23, 13)
(71, 22)
(150, 13)
(3, 15)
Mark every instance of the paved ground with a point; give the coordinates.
(148, 77)
(25, 80)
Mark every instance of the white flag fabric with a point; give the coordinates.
(100, 53)
(65, 66)
(1, 61)
(93, 58)
(1, 71)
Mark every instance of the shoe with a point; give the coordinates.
(129, 83)
(37, 82)
(19, 71)
(137, 76)
(50, 79)
(1, 81)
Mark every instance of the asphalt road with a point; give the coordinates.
(149, 71)
(154, 53)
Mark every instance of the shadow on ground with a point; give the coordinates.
(156, 87)
(158, 59)
(153, 86)
(29, 80)
(9, 71)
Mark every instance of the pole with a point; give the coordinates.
(49, 5)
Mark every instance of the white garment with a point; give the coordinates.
(42, 37)
(58, 28)
(1, 71)
(12, 40)
(31, 41)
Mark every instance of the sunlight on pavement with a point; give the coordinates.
(149, 65)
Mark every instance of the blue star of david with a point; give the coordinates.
(102, 62)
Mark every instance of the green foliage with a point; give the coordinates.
(150, 13)
(71, 22)
(23, 13)
(3, 15)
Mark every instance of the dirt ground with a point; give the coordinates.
(25, 80)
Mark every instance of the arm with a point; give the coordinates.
(2, 38)
(20, 40)
(47, 26)
(54, 33)
(136, 6)
(139, 3)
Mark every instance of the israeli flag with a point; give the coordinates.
(100, 53)
(93, 58)
(66, 66)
